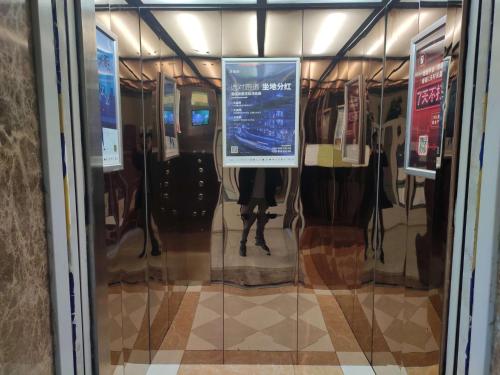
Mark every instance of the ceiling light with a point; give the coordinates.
(375, 46)
(125, 32)
(191, 26)
(327, 32)
(252, 33)
(402, 29)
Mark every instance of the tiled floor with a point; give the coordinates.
(306, 329)
(261, 334)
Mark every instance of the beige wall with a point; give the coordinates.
(25, 328)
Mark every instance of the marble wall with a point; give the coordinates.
(25, 327)
(495, 362)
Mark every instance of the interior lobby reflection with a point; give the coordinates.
(339, 259)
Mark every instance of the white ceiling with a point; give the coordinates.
(326, 31)
(196, 33)
(125, 26)
(316, 34)
(200, 2)
(283, 34)
(306, 33)
(239, 34)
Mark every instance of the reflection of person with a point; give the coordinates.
(140, 197)
(368, 205)
(257, 188)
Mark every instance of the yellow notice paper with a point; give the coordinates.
(326, 155)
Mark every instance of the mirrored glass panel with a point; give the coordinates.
(260, 224)
(125, 145)
(185, 290)
(340, 260)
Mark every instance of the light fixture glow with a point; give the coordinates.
(399, 32)
(125, 32)
(252, 32)
(191, 27)
(148, 47)
(375, 46)
(327, 32)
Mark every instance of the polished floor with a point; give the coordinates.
(254, 345)
(286, 329)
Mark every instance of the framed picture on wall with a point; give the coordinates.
(339, 128)
(443, 118)
(109, 99)
(260, 112)
(353, 136)
(168, 117)
(427, 88)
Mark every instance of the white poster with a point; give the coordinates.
(339, 128)
(261, 112)
(109, 99)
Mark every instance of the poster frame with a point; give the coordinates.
(164, 148)
(118, 115)
(414, 171)
(338, 134)
(243, 164)
(444, 110)
(359, 80)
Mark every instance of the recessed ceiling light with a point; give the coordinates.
(126, 33)
(399, 32)
(191, 26)
(327, 32)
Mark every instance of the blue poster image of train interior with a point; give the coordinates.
(107, 80)
(200, 117)
(260, 108)
(168, 120)
(168, 108)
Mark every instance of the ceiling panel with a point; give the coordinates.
(132, 66)
(103, 19)
(208, 68)
(430, 15)
(313, 69)
(453, 26)
(239, 34)
(326, 31)
(126, 72)
(187, 71)
(196, 33)
(110, 2)
(323, 1)
(172, 67)
(150, 69)
(402, 26)
(151, 44)
(283, 34)
(125, 26)
(372, 45)
(200, 2)
(397, 70)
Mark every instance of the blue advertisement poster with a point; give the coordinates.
(109, 96)
(261, 112)
(168, 107)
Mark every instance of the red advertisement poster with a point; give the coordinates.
(424, 133)
(352, 142)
